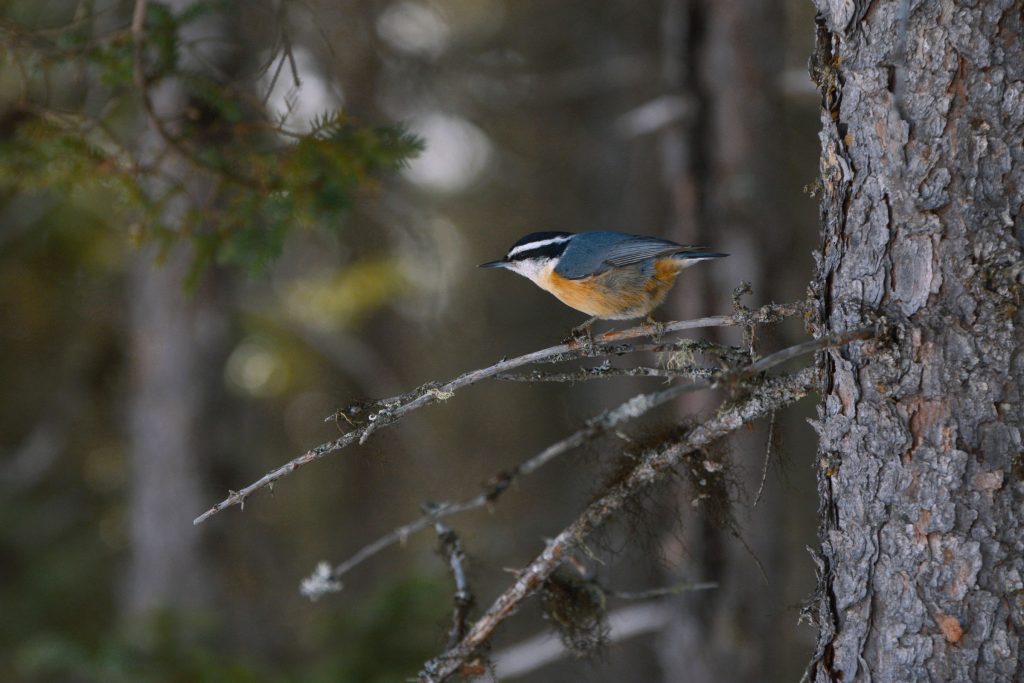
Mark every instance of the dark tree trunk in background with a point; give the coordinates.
(922, 502)
(724, 176)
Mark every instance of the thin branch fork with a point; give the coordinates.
(769, 396)
(455, 556)
(388, 411)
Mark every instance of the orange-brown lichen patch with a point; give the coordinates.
(951, 629)
(924, 518)
(927, 417)
(989, 481)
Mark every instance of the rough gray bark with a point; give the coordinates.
(922, 503)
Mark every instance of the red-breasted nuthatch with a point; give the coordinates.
(607, 275)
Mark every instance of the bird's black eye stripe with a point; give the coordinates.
(539, 245)
(546, 251)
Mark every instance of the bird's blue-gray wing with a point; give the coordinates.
(600, 251)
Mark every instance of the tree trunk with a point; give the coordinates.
(175, 342)
(921, 498)
(178, 342)
(723, 173)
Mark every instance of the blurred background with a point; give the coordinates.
(142, 378)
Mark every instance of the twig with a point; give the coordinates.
(602, 423)
(138, 29)
(296, 81)
(455, 556)
(273, 80)
(138, 33)
(767, 458)
(770, 395)
(603, 371)
(388, 411)
(399, 535)
(652, 593)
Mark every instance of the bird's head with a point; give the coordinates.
(533, 253)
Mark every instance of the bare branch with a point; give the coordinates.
(767, 458)
(273, 81)
(388, 411)
(603, 371)
(770, 395)
(652, 593)
(453, 553)
(437, 511)
(630, 409)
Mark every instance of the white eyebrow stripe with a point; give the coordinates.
(537, 245)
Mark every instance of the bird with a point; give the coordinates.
(607, 275)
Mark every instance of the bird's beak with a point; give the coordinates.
(500, 263)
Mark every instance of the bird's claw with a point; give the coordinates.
(659, 329)
(581, 335)
(577, 336)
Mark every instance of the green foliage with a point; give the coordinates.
(166, 658)
(342, 298)
(114, 59)
(381, 639)
(310, 182)
(54, 154)
(162, 39)
(393, 633)
(266, 181)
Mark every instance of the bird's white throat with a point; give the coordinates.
(537, 270)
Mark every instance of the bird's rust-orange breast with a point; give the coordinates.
(615, 293)
(583, 294)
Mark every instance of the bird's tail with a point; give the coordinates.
(691, 256)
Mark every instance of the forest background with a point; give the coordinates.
(157, 352)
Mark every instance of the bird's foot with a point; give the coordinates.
(582, 335)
